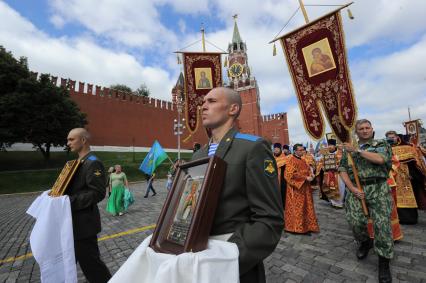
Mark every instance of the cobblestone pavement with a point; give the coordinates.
(328, 256)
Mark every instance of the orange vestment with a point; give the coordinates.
(299, 213)
(281, 161)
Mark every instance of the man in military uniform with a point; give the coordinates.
(249, 212)
(85, 190)
(373, 161)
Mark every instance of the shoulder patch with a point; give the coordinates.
(268, 167)
(246, 137)
(97, 173)
(92, 157)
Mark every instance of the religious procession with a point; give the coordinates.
(320, 183)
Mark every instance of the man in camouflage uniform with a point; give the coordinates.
(373, 161)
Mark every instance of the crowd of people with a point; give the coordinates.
(265, 192)
(391, 174)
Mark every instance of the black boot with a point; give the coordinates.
(363, 249)
(384, 271)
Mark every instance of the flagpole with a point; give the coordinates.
(202, 38)
(170, 160)
(305, 14)
(178, 123)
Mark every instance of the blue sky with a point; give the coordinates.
(132, 42)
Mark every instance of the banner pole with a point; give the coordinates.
(305, 14)
(358, 184)
(354, 142)
(202, 38)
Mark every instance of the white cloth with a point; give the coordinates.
(218, 263)
(52, 240)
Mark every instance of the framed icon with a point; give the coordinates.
(318, 57)
(203, 78)
(64, 178)
(187, 215)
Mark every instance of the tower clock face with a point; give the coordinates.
(236, 70)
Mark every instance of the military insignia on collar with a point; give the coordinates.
(268, 167)
(97, 173)
(228, 139)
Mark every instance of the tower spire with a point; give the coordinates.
(236, 38)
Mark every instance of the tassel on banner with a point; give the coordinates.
(350, 14)
(274, 50)
(178, 59)
(225, 63)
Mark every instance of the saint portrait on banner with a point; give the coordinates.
(203, 78)
(318, 57)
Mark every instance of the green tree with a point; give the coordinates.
(143, 90)
(42, 114)
(34, 111)
(121, 87)
(12, 72)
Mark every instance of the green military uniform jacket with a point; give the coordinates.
(250, 205)
(369, 172)
(85, 190)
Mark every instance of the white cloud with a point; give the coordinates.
(79, 58)
(389, 20)
(133, 23)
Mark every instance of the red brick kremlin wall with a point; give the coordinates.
(116, 118)
(275, 128)
(272, 127)
(122, 119)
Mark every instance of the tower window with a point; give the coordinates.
(242, 46)
(235, 46)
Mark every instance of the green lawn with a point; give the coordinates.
(28, 172)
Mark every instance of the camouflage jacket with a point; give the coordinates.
(367, 169)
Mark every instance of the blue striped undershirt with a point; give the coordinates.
(212, 148)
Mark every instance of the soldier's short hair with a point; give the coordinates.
(233, 98)
(388, 133)
(82, 133)
(361, 121)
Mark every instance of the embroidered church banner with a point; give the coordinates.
(316, 58)
(203, 72)
(413, 130)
